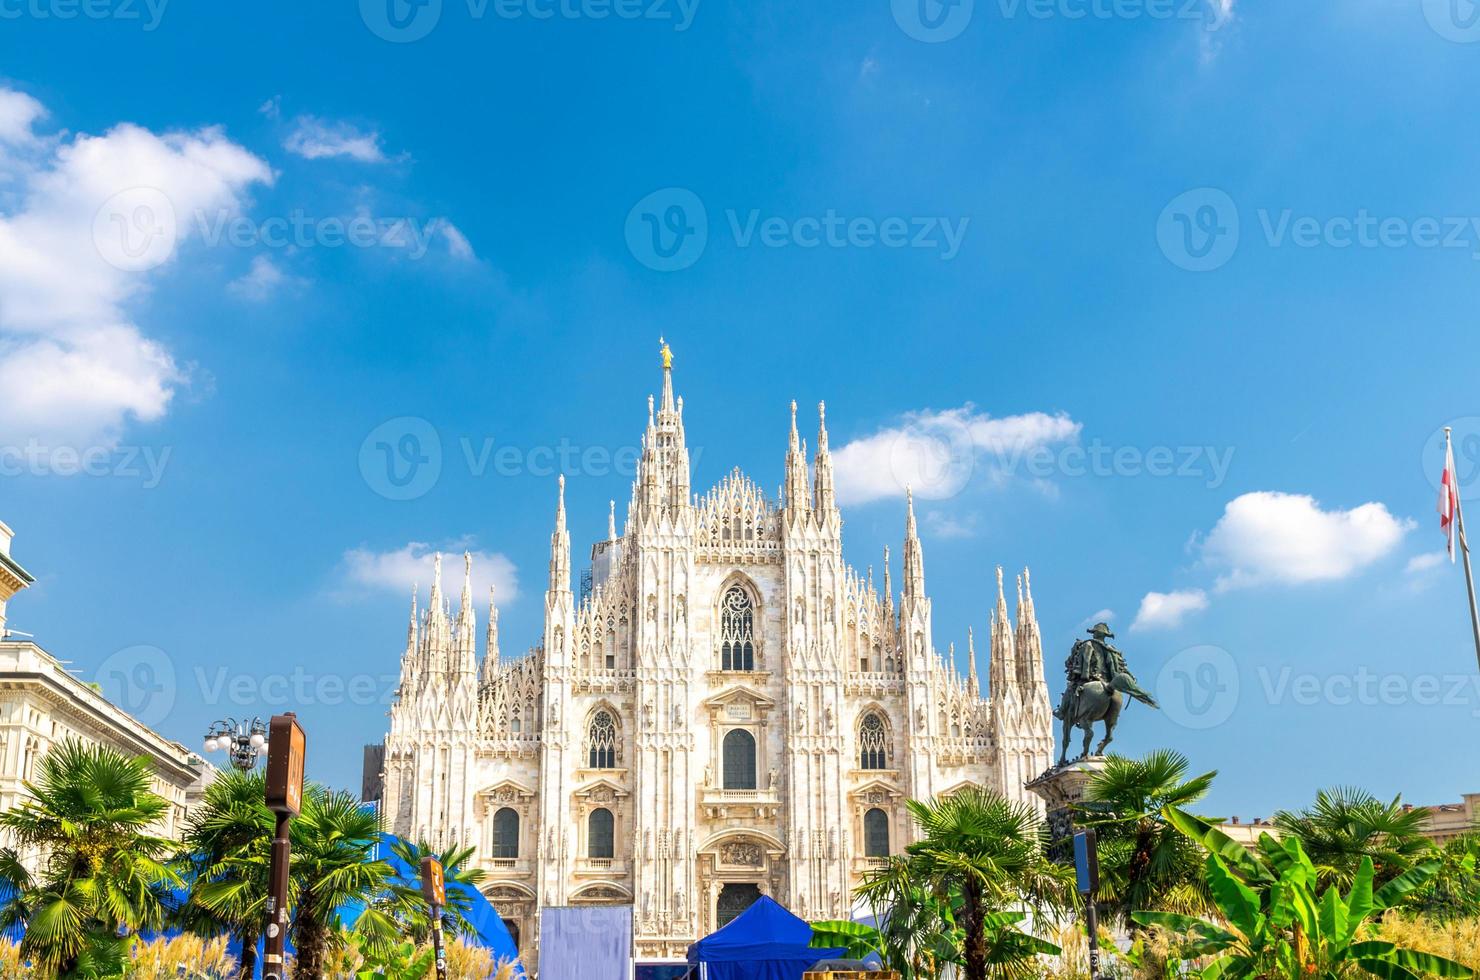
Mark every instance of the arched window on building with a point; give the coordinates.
(506, 833)
(737, 630)
(602, 742)
(873, 743)
(601, 834)
(876, 833)
(739, 760)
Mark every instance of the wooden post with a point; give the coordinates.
(285, 751)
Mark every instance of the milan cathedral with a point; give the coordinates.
(726, 709)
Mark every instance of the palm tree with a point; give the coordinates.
(982, 854)
(1346, 824)
(333, 866)
(227, 847)
(916, 932)
(401, 911)
(1145, 864)
(102, 875)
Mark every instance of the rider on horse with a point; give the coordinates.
(1098, 675)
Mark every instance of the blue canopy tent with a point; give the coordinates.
(765, 942)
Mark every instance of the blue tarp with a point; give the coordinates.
(765, 942)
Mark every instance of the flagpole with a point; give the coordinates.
(1464, 547)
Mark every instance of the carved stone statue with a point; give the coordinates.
(1097, 678)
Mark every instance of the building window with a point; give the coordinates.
(873, 741)
(876, 833)
(506, 834)
(601, 834)
(737, 630)
(739, 752)
(603, 742)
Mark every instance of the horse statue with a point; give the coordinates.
(1098, 682)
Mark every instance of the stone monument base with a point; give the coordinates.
(1061, 788)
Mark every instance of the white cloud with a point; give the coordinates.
(939, 524)
(458, 245)
(93, 220)
(1166, 610)
(1102, 616)
(1220, 14)
(321, 139)
(18, 114)
(1286, 538)
(364, 570)
(261, 281)
(936, 453)
(1419, 564)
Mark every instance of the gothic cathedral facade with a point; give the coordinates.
(726, 710)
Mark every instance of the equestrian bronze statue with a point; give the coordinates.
(1098, 679)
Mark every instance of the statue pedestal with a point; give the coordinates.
(1061, 787)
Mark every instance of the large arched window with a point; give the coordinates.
(739, 759)
(736, 630)
(876, 833)
(873, 743)
(506, 834)
(602, 742)
(601, 834)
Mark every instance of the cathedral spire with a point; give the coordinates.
(914, 558)
(560, 546)
(611, 520)
(1003, 669)
(667, 355)
(466, 640)
(466, 601)
(491, 653)
(888, 590)
(825, 497)
(971, 678)
(798, 495)
(411, 629)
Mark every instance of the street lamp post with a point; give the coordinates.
(243, 741)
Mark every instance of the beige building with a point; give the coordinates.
(724, 709)
(1447, 821)
(42, 703)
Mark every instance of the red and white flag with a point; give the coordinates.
(1448, 499)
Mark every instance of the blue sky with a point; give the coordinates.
(1167, 301)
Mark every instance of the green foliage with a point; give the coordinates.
(225, 862)
(1276, 920)
(947, 899)
(104, 875)
(400, 910)
(1345, 825)
(1144, 862)
(333, 846)
(1453, 893)
(397, 961)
